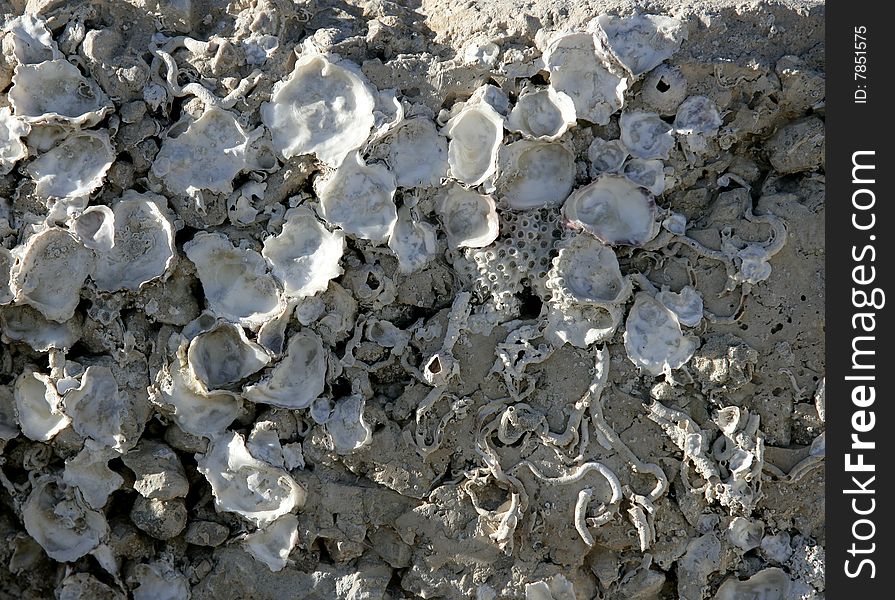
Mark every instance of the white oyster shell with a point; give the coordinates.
(413, 241)
(646, 135)
(555, 588)
(98, 409)
(273, 544)
(359, 198)
(346, 427)
(60, 522)
(194, 410)
(30, 39)
(39, 406)
(577, 70)
(587, 272)
(235, 280)
(159, 581)
(25, 324)
(653, 338)
(298, 378)
(74, 168)
(55, 92)
(223, 356)
(542, 114)
(242, 484)
(613, 210)
(323, 108)
(469, 219)
(606, 156)
(769, 584)
(641, 42)
(12, 148)
(416, 153)
(686, 304)
(89, 471)
(475, 133)
(535, 174)
(305, 255)
(143, 244)
(697, 115)
(647, 173)
(207, 156)
(95, 228)
(51, 272)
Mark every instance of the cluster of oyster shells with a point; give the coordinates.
(232, 283)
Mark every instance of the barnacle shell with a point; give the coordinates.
(55, 92)
(346, 426)
(60, 522)
(235, 280)
(587, 272)
(39, 406)
(207, 156)
(613, 210)
(224, 356)
(469, 218)
(646, 135)
(359, 198)
(95, 228)
(576, 69)
(416, 153)
(323, 108)
(640, 42)
(50, 273)
(535, 174)
(12, 148)
(412, 241)
(476, 132)
(245, 485)
(653, 338)
(143, 245)
(75, 167)
(273, 544)
(305, 255)
(697, 115)
(664, 89)
(542, 114)
(298, 378)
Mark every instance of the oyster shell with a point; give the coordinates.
(25, 324)
(50, 273)
(475, 133)
(416, 153)
(323, 107)
(305, 255)
(359, 198)
(646, 135)
(245, 485)
(686, 304)
(653, 338)
(771, 583)
(143, 244)
(576, 69)
(30, 40)
(535, 174)
(12, 148)
(223, 356)
(74, 168)
(298, 378)
(542, 114)
(273, 544)
(99, 410)
(613, 210)
(95, 228)
(55, 92)
(647, 173)
(235, 280)
(89, 471)
(60, 522)
(38, 406)
(587, 272)
(697, 115)
(207, 156)
(469, 219)
(346, 427)
(413, 241)
(640, 42)
(606, 156)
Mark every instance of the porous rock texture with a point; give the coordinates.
(422, 420)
